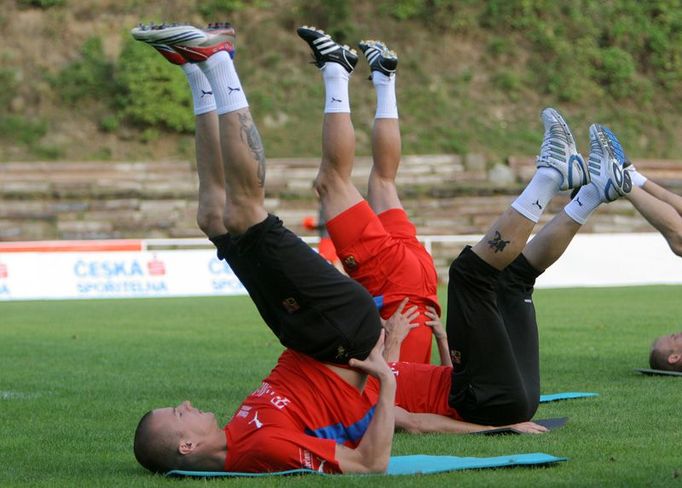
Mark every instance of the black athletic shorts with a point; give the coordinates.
(492, 334)
(310, 306)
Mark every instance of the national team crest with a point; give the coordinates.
(341, 352)
(291, 305)
(350, 262)
(456, 356)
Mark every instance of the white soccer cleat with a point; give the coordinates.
(559, 152)
(169, 34)
(606, 164)
(191, 43)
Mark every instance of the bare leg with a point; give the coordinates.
(505, 240)
(333, 183)
(660, 213)
(244, 169)
(208, 154)
(241, 149)
(382, 192)
(211, 178)
(551, 242)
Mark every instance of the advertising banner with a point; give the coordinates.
(64, 275)
(590, 260)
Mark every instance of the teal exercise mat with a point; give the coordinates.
(425, 464)
(551, 424)
(657, 372)
(569, 395)
(406, 465)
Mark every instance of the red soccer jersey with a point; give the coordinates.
(295, 419)
(421, 388)
(383, 254)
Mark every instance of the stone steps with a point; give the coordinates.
(443, 194)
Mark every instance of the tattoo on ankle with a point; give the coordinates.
(250, 135)
(498, 244)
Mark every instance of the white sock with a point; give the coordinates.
(540, 190)
(227, 89)
(202, 94)
(638, 179)
(387, 106)
(585, 202)
(336, 80)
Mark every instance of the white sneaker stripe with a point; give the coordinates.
(326, 45)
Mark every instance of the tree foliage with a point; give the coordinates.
(150, 91)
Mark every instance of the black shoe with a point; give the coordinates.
(379, 57)
(326, 50)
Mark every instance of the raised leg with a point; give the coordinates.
(491, 324)
(560, 167)
(551, 242)
(211, 177)
(244, 168)
(382, 192)
(230, 155)
(333, 183)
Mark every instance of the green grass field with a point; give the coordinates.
(76, 376)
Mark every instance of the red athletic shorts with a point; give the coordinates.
(383, 254)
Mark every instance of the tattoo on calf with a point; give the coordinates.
(250, 135)
(497, 243)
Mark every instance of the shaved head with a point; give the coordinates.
(664, 352)
(181, 437)
(155, 447)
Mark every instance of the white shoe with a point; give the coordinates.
(559, 152)
(606, 164)
(191, 43)
(169, 34)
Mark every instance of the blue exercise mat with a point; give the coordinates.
(407, 465)
(566, 396)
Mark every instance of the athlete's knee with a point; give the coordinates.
(210, 221)
(242, 212)
(521, 407)
(328, 182)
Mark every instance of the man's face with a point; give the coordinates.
(185, 420)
